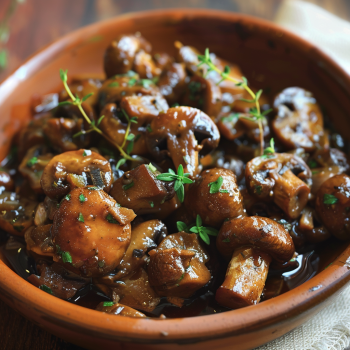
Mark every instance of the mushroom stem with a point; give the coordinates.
(290, 193)
(245, 278)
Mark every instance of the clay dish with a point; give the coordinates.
(271, 58)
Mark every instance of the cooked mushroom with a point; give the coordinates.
(178, 132)
(33, 164)
(333, 205)
(250, 243)
(118, 309)
(139, 190)
(38, 240)
(299, 120)
(90, 232)
(120, 54)
(203, 94)
(16, 213)
(75, 169)
(55, 280)
(214, 196)
(177, 267)
(283, 177)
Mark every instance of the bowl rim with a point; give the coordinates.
(289, 305)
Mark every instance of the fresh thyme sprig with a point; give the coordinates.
(269, 151)
(255, 112)
(202, 231)
(180, 179)
(76, 101)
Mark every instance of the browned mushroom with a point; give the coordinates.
(139, 190)
(214, 196)
(33, 164)
(172, 82)
(134, 291)
(6, 181)
(333, 205)
(90, 232)
(16, 213)
(120, 54)
(203, 94)
(118, 309)
(177, 267)
(250, 243)
(299, 120)
(38, 240)
(75, 169)
(283, 177)
(53, 280)
(145, 66)
(178, 132)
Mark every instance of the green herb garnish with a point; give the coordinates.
(151, 204)
(101, 263)
(215, 187)
(108, 303)
(179, 180)
(114, 84)
(258, 189)
(82, 198)
(202, 231)
(66, 257)
(32, 161)
(329, 199)
(111, 219)
(152, 168)
(269, 151)
(126, 187)
(81, 217)
(226, 240)
(46, 289)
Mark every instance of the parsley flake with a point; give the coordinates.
(108, 303)
(111, 219)
(66, 257)
(126, 187)
(81, 217)
(82, 198)
(32, 161)
(216, 185)
(46, 289)
(86, 152)
(329, 199)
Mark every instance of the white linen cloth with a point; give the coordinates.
(330, 328)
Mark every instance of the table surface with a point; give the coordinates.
(28, 25)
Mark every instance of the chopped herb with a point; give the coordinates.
(152, 167)
(121, 162)
(132, 82)
(81, 217)
(66, 197)
(194, 87)
(126, 187)
(216, 185)
(151, 204)
(101, 263)
(86, 152)
(312, 164)
(202, 231)
(179, 180)
(46, 289)
(175, 105)
(18, 228)
(66, 257)
(226, 240)
(258, 189)
(32, 161)
(114, 84)
(145, 83)
(58, 250)
(314, 172)
(111, 219)
(149, 129)
(108, 303)
(82, 198)
(86, 97)
(269, 151)
(329, 199)
(230, 118)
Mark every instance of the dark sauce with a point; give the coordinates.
(311, 260)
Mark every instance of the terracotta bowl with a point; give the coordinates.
(271, 58)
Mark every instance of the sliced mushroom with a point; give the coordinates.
(178, 132)
(39, 240)
(119, 309)
(172, 82)
(212, 202)
(251, 243)
(90, 232)
(139, 190)
(75, 169)
(283, 177)
(333, 205)
(16, 213)
(56, 280)
(299, 120)
(120, 54)
(33, 164)
(177, 267)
